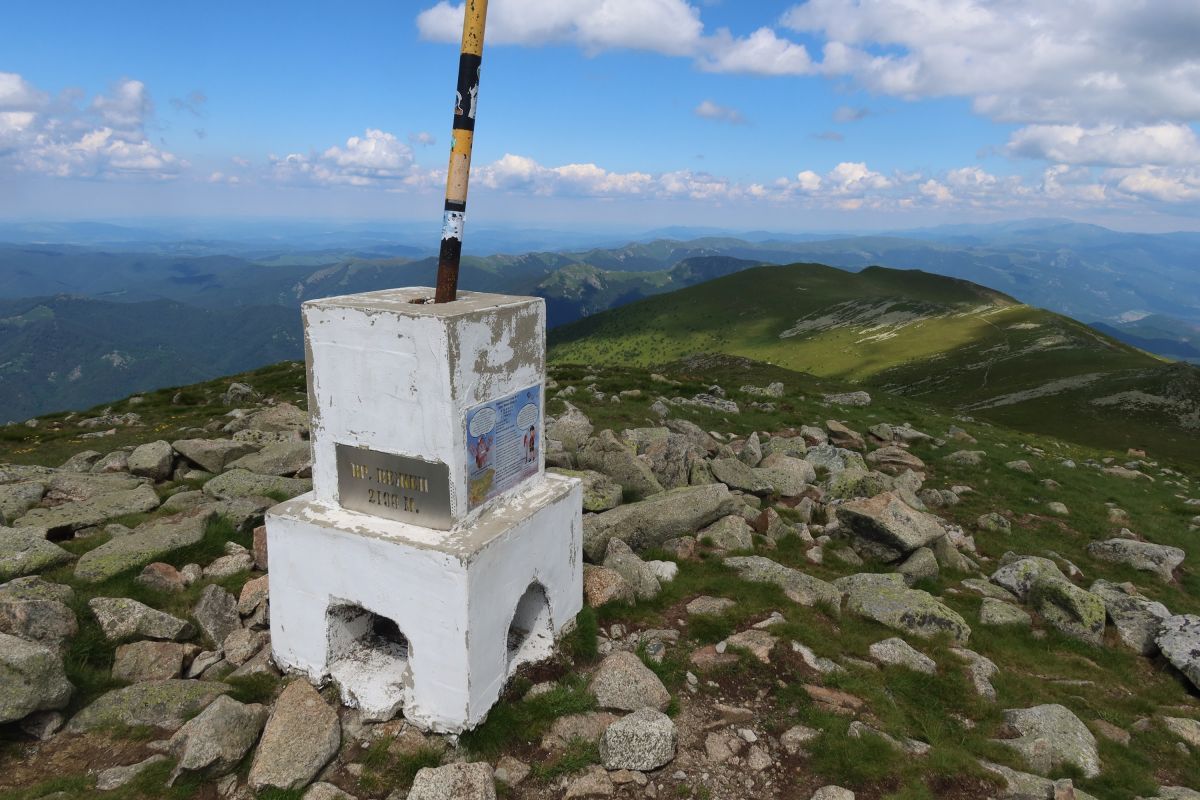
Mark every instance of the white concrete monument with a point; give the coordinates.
(434, 555)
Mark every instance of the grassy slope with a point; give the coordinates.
(967, 347)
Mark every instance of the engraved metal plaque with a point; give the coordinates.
(394, 487)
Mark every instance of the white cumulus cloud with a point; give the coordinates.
(1166, 143)
(105, 137)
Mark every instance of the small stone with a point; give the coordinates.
(623, 683)
(713, 606)
(228, 566)
(162, 578)
(645, 740)
(593, 783)
(603, 585)
(216, 741)
(898, 653)
(116, 777)
(473, 781)
(1185, 728)
(510, 771)
(758, 643)
(998, 612)
(796, 737)
(833, 793)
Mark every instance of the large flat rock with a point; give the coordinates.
(148, 543)
(238, 483)
(71, 516)
(156, 704)
(677, 512)
(886, 599)
(26, 551)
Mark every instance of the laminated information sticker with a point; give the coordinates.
(503, 444)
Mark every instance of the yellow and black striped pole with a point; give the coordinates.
(459, 174)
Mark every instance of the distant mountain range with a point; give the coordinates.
(1141, 288)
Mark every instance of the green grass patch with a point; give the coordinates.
(520, 721)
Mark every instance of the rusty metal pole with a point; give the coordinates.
(459, 174)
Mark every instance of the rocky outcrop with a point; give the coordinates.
(96, 510)
(212, 455)
(239, 483)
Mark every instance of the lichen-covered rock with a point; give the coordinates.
(637, 573)
(645, 740)
(279, 459)
(1179, 640)
(603, 585)
(1069, 609)
(833, 459)
(1019, 575)
(47, 621)
(302, 734)
(992, 522)
(853, 483)
(239, 483)
(96, 510)
(999, 613)
(32, 679)
(841, 436)
(216, 613)
(729, 533)
(919, 565)
(610, 456)
(157, 704)
(18, 498)
(886, 599)
(572, 428)
(152, 460)
(600, 492)
(623, 683)
(894, 460)
(1052, 737)
(1156, 558)
(149, 542)
(148, 661)
(888, 521)
(898, 653)
(788, 476)
(214, 743)
(24, 551)
(1137, 619)
(799, 587)
(212, 455)
(736, 475)
(123, 618)
(678, 512)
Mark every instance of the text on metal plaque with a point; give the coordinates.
(394, 487)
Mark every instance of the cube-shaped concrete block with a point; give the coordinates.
(428, 622)
(400, 377)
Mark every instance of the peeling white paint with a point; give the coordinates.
(398, 377)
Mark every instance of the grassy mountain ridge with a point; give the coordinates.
(943, 340)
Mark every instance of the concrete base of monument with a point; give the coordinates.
(431, 623)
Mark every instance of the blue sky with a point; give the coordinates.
(824, 114)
